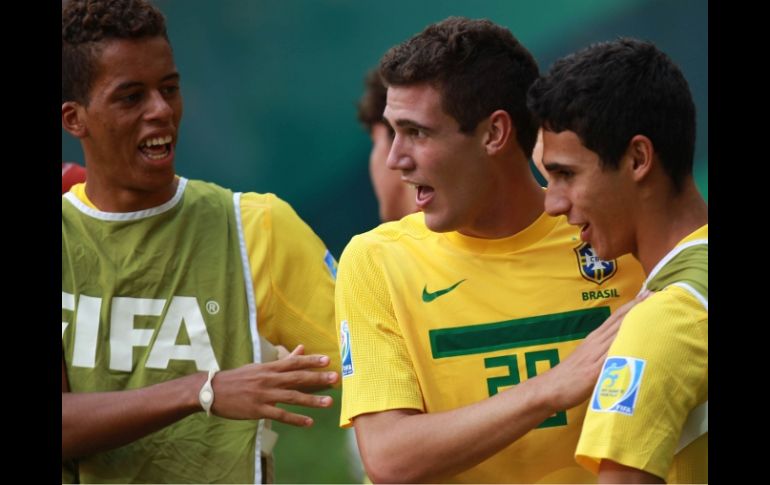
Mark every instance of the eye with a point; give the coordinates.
(564, 173)
(131, 98)
(416, 133)
(169, 90)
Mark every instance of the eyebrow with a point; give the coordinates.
(174, 76)
(407, 123)
(554, 166)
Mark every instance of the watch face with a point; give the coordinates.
(206, 396)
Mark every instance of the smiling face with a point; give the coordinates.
(129, 127)
(596, 199)
(449, 169)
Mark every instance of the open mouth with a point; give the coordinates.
(156, 148)
(424, 194)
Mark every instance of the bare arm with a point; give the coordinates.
(611, 472)
(96, 421)
(409, 446)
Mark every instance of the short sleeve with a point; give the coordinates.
(656, 372)
(377, 372)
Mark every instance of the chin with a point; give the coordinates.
(606, 253)
(437, 224)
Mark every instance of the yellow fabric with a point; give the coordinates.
(80, 192)
(399, 359)
(294, 289)
(700, 233)
(669, 332)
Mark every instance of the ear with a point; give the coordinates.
(641, 152)
(499, 130)
(72, 119)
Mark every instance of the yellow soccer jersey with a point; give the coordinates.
(292, 273)
(434, 322)
(656, 374)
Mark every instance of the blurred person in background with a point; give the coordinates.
(394, 197)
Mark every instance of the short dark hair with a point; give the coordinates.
(611, 91)
(477, 66)
(372, 102)
(87, 23)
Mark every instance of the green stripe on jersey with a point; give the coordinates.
(512, 334)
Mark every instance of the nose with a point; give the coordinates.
(158, 107)
(399, 157)
(556, 201)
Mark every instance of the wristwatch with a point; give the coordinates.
(206, 394)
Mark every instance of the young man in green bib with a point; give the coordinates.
(172, 288)
(618, 144)
(472, 332)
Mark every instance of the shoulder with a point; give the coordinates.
(389, 236)
(270, 207)
(687, 268)
(412, 227)
(267, 202)
(662, 319)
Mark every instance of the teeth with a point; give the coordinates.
(157, 157)
(160, 140)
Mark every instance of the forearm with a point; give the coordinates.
(612, 472)
(408, 446)
(98, 421)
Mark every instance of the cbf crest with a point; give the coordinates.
(592, 267)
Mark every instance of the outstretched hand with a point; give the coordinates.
(252, 391)
(574, 378)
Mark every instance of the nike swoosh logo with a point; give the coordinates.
(429, 296)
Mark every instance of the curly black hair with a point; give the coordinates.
(476, 65)
(85, 24)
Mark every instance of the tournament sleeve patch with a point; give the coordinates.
(347, 358)
(331, 264)
(618, 385)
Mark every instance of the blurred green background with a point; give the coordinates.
(270, 90)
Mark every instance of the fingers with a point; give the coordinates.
(284, 416)
(630, 304)
(297, 398)
(600, 339)
(297, 362)
(282, 352)
(298, 350)
(303, 379)
(610, 326)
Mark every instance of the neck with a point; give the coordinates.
(668, 221)
(123, 199)
(515, 201)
